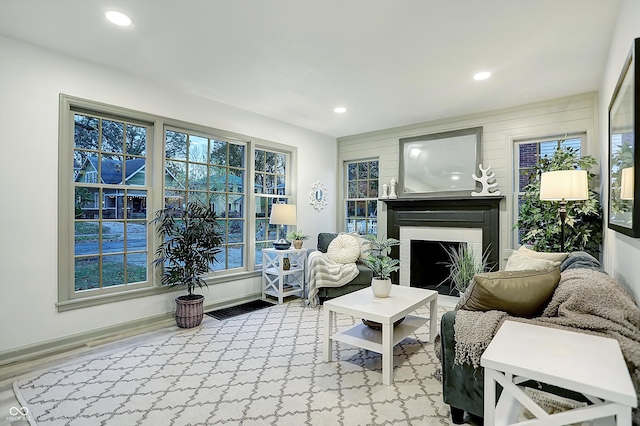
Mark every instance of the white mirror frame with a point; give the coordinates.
(318, 196)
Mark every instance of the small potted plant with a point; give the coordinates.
(380, 263)
(297, 237)
(463, 265)
(190, 243)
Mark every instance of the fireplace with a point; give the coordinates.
(434, 274)
(422, 224)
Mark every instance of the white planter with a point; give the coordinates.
(381, 288)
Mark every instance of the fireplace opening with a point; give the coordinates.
(428, 265)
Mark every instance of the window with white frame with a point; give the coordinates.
(270, 186)
(107, 196)
(361, 196)
(527, 156)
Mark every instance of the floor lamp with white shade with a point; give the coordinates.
(563, 186)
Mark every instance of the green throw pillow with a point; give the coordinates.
(518, 293)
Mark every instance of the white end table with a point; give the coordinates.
(279, 282)
(363, 304)
(591, 365)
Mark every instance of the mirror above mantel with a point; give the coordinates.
(440, 164)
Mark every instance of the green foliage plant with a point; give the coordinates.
(190, 243)
(463, 265)
(539, 221)
(297, 235)
(378, 260)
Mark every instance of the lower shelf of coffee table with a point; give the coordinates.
(367, 338)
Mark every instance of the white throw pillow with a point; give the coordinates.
(555, 257)
(365, 246)
(519, 262)
(344, 248)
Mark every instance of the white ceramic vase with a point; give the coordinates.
(381, 288)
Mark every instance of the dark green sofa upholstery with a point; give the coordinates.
(463, 385)
(361, 281)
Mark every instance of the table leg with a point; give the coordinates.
(387, 353)
(433, 319)
(328, 327)
(623, 417)
(489, 396)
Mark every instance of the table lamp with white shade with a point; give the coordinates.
(563, 186)
(626, 184)
(282, 214)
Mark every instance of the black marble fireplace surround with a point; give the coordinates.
(459, 212)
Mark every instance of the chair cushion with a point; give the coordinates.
(344, 248)
(519, 293)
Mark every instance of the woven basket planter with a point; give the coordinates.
(189, 311)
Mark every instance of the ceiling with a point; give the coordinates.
(389, 62)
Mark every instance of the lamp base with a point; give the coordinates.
(281, 244)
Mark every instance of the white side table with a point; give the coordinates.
(279, 282)
(584, 363)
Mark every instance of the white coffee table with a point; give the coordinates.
(362, 304)
(584, 363)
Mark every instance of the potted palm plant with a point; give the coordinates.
(297, 237)
(380, 263)
(190, 243)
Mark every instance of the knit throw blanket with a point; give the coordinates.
(585, 300)
(324, 272)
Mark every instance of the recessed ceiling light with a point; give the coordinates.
(340, 110)
(118, 18)
(482, 75)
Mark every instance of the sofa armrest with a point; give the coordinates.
(462, 385)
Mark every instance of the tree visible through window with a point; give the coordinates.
(362, 197)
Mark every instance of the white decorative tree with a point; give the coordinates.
(485, 177)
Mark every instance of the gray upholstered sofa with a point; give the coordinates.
(361, 281)
(463, 385)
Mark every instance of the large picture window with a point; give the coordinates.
(361, 204)
(118, 166)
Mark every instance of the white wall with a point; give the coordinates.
(31, 80)
(500, 129)
(621, 253)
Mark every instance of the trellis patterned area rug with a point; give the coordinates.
(261, 368)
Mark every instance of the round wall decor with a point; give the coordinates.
(318, 196)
